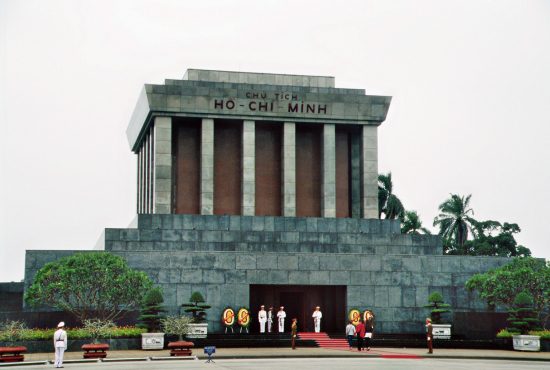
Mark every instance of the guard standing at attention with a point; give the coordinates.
(281, 319)
(270, 319)
(262, 318)
(317, 315)
(294, 331)
(429, 335)
(60, 344)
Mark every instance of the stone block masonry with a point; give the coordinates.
(221, 256)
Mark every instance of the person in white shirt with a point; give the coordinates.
(281, 319)
(269, 319)
(317, 315)
(262, 318)
(60, 344)
(350, 333)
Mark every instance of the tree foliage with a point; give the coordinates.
(455, 223)
(503, 284)
(495, 239)
(412, 225)
(522, 317)
(89, 285)
(178, 325)
(437, 307)
(197, 307)
(152, 311)
(388, 203)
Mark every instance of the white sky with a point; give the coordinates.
(470, 82)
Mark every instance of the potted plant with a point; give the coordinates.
(438, 307)
(197, 307)
(523, 319)
(178, 325)
(97, 329)
(150, 319)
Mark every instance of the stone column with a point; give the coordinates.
(162, 165)
(370, 171)
(328, 188)
(207, 166)
(248, 197)
(355, 173)
(289, 169)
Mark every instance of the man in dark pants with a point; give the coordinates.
(294, 332)
(429, 335)
(360, 332)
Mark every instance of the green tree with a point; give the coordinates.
(455, 223)
(412, 224)
(437, 307)
(495, 239)
(89, 285)
(522, 317)
(152, 311)
(503, 284)
(388, 203)
(197, 307)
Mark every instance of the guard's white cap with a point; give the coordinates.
(61, 324)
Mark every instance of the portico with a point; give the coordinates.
(238, 143)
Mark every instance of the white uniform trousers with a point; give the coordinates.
(317, 323)
(59, 352)
(281, 325)
(262, 326)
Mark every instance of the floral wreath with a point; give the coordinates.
(228, 317)
(243, 317)
(354, 316)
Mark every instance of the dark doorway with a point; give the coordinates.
(299, 302)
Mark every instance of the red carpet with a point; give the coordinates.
(324, 341)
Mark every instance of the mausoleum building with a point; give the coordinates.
(259, 188)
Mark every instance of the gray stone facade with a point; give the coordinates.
(221, 256)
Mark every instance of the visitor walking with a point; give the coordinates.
(369, 329)
(60, 344)
(429, 335)
(350, 333)
(294, 331)
(360, 333)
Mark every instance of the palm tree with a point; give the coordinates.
(412, 224)
(388, 203)
(454, 220)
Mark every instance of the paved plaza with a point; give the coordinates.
(314, 364)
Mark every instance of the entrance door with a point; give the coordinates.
(299, 302)
(294, 307)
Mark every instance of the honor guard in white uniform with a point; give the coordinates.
(262, 318)
(269, 319)
(281, 319)
(317, 315)
(60, 344)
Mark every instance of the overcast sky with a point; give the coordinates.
(470, 82)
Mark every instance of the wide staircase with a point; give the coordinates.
(324, 341)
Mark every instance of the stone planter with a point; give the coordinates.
(526, 342)
(197, 330)
(152, 340)
(441, 331)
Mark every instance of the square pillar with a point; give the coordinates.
(162, 165)
(248, 170)
(328, 188)
(289, 169)
(207, 166)
(370, 171)
(355, 173)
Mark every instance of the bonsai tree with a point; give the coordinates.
(151, 311)
(88, 285)
(98, 328)
(437, 306)
(522, 316)
(178, 325)
(197, 307)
